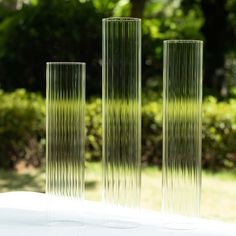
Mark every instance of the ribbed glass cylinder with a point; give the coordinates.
(65, 129)
(121, 111)
(182, 126)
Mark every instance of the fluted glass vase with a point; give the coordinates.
(121, 69)
(65, 129)
(182, 127)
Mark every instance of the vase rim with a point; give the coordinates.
(65, 63)
(132, 19)
(183, 41)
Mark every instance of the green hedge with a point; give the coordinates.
(218, 133)
(22, 128)
(22, 131)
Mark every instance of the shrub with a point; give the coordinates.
(94, 130)
(22, 131)
(152, 133)
(219, 134)
(22, 128)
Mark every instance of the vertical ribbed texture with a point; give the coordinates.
(182, 91)
(65, 129)
(121, 111)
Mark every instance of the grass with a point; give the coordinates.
(218, 190)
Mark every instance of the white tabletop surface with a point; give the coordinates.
(27, 213)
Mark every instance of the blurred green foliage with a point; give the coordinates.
(22, 128)
(219, 133)
(49, 31)
(93, 121)
(22, 133)
(70, 30)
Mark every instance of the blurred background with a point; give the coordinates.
(33, 32)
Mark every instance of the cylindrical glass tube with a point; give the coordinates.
(121, 111)
(182, 94)
(65, 129)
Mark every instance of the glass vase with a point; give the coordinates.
(182, 127)
(65, 129)
(121, 88)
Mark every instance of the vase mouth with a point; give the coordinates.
(114, 19)
(65, 63)
(183, 41)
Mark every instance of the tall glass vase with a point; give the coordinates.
(121, 111)
(182, 127)
(65, 129)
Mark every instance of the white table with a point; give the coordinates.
(27, 213)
